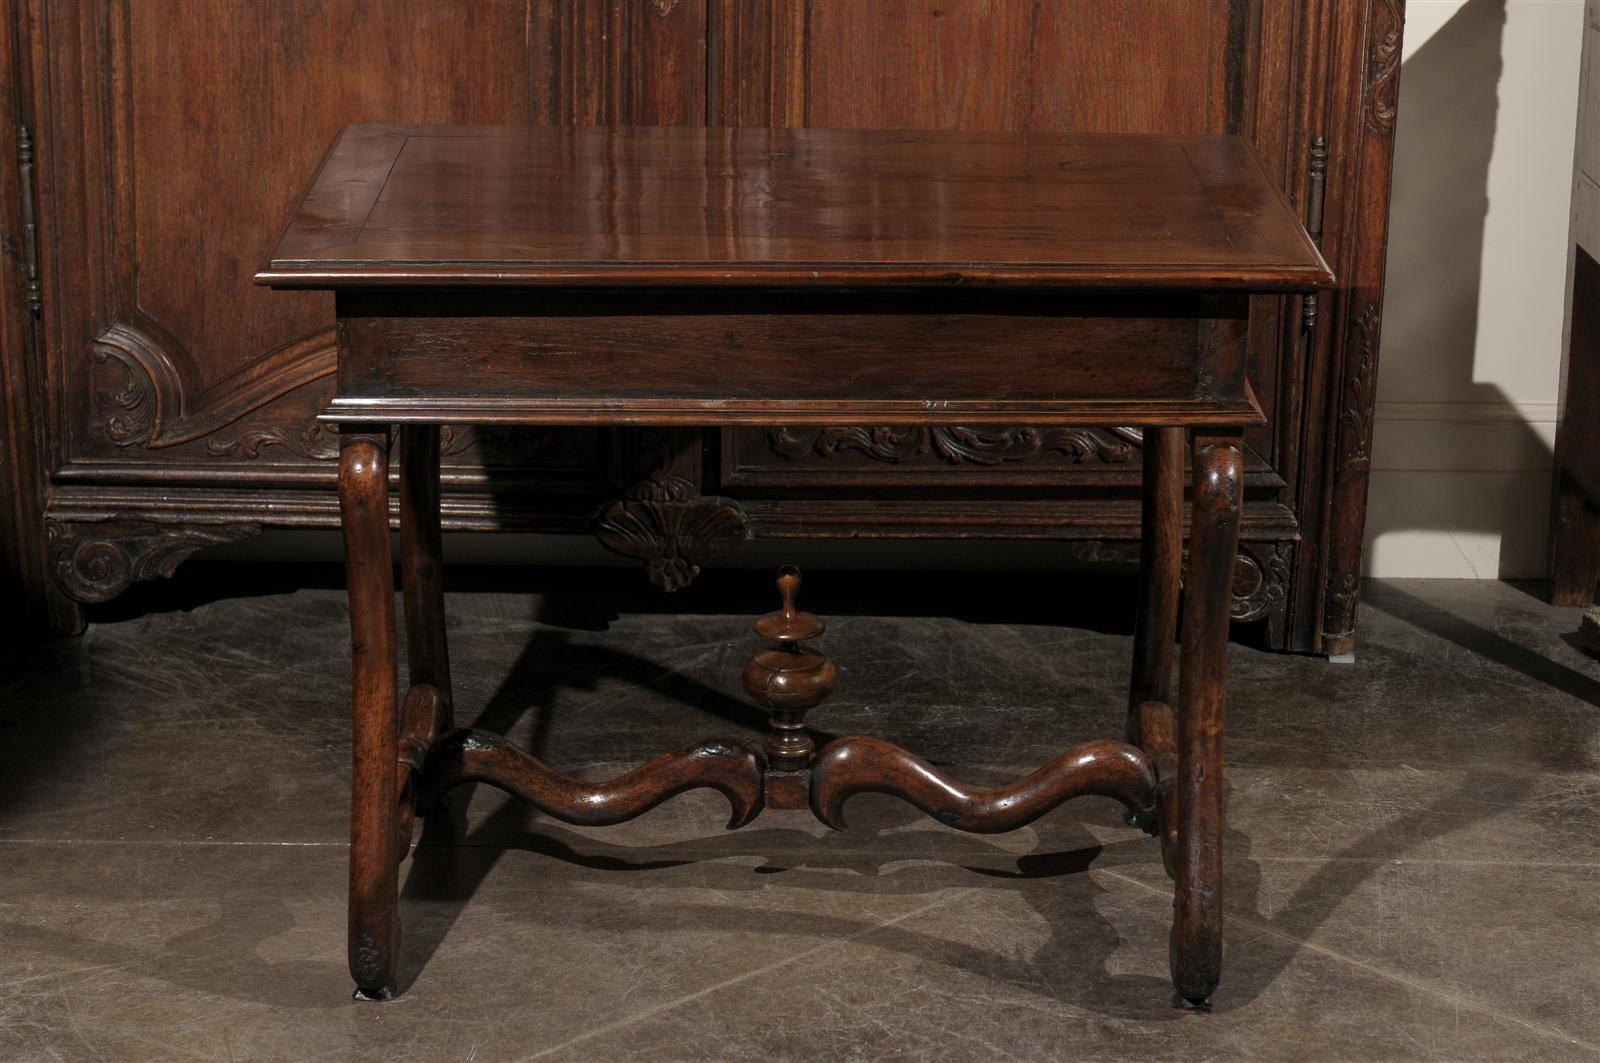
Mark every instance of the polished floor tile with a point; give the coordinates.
(1413, 847)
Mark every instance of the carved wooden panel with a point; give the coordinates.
(1059, 66)
(173, 399)
(1106, 66)
(184, 160)
(953, 456)
(1068, 65)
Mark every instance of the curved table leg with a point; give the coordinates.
(374, 871)
(1213, 537)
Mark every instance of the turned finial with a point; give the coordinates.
(788, 624)
(789, 678)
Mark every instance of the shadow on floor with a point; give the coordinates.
(451, 862)
(590, 599)
(1391, 600)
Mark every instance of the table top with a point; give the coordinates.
(559, 206)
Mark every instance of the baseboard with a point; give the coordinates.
(1460, 490)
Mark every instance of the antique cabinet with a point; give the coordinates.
(158, 402)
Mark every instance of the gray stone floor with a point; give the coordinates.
(1413, 849)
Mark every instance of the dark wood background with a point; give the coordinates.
(159, 402)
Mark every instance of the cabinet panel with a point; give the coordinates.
(173, 400)
(1209, 66)
(183, 130)
(1106, 66)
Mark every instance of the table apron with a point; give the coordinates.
(658, 358)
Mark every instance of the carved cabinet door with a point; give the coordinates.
(169, 139)
(1309, 84)
(158, 145)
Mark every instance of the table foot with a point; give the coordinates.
(374, 996)
(861, 764)
(718, 764)
(375, 844)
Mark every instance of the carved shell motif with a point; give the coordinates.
(673, 538)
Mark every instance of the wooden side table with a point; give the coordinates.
(539, 276)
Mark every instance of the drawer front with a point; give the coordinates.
(753, 360)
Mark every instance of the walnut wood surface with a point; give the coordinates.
(424, 714)
(790, 358)
(1170, 783)
(507, 205)
(422, 563)
(1217, 494)
(788, 678)
(478, 756)
(167, 400)
(1160, 567)
(374, 820)
(862, 764)
(1151, 726)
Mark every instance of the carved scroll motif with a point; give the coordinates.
(1383, 66)
(959, 445)
(159, 402)
(317, 441)
(96, 562)
(320, 442)
(1260, 580)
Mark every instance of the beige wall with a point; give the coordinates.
(1473, 315)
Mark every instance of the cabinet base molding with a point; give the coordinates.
(95, 562)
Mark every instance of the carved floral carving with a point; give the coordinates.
(317, 441)
(320, 441)
(1353, 461)
(958, 444)
(96, 562)
(1355, 420)
(1383, 67)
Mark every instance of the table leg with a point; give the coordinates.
(1218, 490)
(1160, 565)
(1151, 725)
(422, 564)
(374, 871)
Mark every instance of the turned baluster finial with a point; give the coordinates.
(788, 678)
(788, 587)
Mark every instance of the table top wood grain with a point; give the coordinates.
(446, 206)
